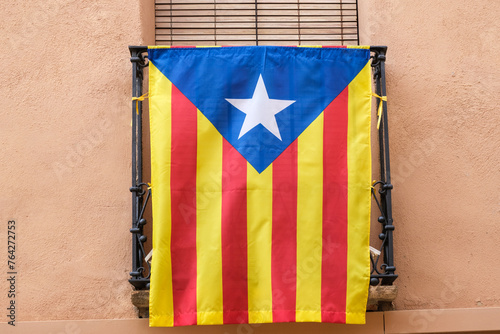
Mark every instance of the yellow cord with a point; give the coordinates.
(140, 98)
(379, 111)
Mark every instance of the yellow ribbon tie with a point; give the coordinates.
(140, 98)
(379, 111)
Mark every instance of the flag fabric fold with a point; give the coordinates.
(261, 175)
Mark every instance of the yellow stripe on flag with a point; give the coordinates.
(358, 196)
(310, 222)
(161, 297)
(259, 242)
(208, 223)
(358, 46)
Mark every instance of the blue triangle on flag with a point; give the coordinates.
(221, 83)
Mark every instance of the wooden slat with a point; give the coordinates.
(235, 18)
(213, 31)
(237, 42)
(279, 42)
(279, 7)
(242, 12)
(236, 2)
(195, 32)
(225, 25)
(184, 25)
(233, 6)
(204, 11)
(262, 2)
(205, 19)
(226, 38)
(326, 37)
(326, 19)
(236, 25)
(335, 31)
(276, 12)
(278, 37)
(280, 25)
(279, 31)
(192, 43)
(325, 25)
(322, 6)
(190, 13)
(278, 19)
(195, 38)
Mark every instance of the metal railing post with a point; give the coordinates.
(138, 280)
(386, 275)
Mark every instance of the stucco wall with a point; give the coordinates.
(442, 83)
(65, 153)
(65, 150)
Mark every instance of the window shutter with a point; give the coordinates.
(256, 22)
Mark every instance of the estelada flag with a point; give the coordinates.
(261, 171)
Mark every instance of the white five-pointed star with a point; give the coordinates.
(260, 109)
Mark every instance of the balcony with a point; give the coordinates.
(382, 290)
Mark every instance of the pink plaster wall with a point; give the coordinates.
(65, 150)
(443, 85)
(65, 153)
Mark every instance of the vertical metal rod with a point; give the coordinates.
(171, 25)
(341, 24)
(256, 24)
(357, 23)
(388, 197)
(137, 278)
(299, 19)
(135, 206)
(378, 90)
(138, 115)
(215, 22)
(388, 276)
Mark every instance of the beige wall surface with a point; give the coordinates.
(65, 154)
(65, 151)
(442, 83)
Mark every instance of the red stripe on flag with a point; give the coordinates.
(334, 259)
(183, 203)
(234, 236)
(284, 235)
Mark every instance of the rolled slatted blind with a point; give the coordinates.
(256, 22)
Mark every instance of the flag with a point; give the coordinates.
(261, 175)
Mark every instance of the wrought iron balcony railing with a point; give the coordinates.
(382, 260)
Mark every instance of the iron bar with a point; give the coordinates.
(386, 273)
(357, 25)
(256, 24)
(137, 274)
(389, 227)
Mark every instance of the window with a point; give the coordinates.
(256, 22)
